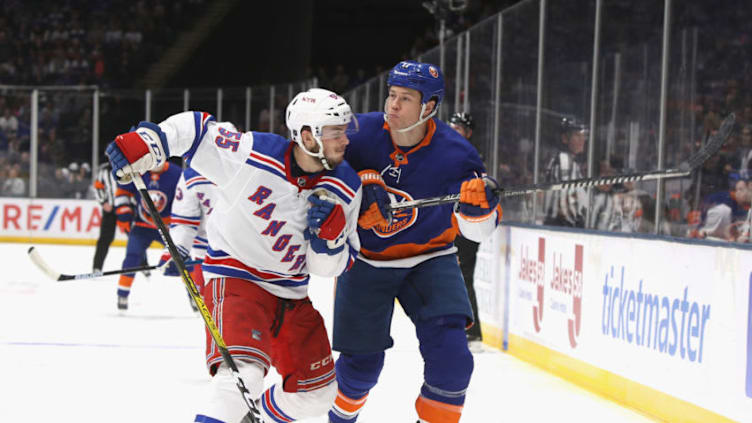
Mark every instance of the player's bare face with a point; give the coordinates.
(402, 107)
(334, 138)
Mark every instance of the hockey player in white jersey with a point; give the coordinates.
(195, 198)
(285, 209)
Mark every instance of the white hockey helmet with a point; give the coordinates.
(315, 109)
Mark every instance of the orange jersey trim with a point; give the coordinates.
(412, 249)
(423, 143)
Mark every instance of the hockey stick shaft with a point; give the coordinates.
(36, 258)
(193, 290)
(685, 169)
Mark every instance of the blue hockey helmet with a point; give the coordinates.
(423, 77)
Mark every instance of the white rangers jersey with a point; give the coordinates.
(256, 228)
(194, 200)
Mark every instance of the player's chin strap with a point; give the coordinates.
(419, 122)
(319, 155)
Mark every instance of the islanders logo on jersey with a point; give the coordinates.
(160, 202)
(401, 219)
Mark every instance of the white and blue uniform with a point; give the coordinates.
(195, 197)
(256, 228)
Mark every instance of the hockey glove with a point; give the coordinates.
(167, 264)
(374, 206)
(137, 151)
(477, 198)
(326, 225)
(124, 218)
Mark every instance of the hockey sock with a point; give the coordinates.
(356, 375)
(279, 406)
(225, 404)
(124, 285)
(448, 366)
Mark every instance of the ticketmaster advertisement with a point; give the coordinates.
(670, 317)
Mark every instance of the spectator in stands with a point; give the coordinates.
(567, 207)
(745, 152)
(14, 186)
(467, 250)
(8, 122)
(724, 213)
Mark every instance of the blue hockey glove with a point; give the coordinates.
(327, 217)
(477, 198)
(168, 266)
(374, 206)
(139, 151)
(326, 225)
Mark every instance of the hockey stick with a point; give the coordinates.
(254, 415)
(49, 271)
(684, 169)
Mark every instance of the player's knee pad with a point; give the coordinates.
(448, 361)
(278, 405)
(224, 402)
(358, 373)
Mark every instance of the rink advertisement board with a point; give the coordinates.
(668, 319)
(50, 220)
(486, 282)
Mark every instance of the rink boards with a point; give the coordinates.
(57, 221)
(661, 326)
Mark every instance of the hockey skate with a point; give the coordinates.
(122, 303)
(475, 344)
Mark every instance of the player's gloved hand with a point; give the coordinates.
(137, 151)
(374, 206)
(124, 218)
(326, 225)
(167, 264)
(477, 198)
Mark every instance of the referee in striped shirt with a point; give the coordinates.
(104, 191)
(567, 207)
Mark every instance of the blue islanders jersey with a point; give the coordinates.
(161, 188)
(436, 166)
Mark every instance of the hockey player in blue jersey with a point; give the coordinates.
(138, 224)
(284, 209)
(402, 154)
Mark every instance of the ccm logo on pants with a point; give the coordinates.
(321, 363)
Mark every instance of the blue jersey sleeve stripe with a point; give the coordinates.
(200, 120)
(266, 167)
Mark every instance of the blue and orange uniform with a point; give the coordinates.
(411, 259)
(133, 217)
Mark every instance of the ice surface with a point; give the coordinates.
(67, 355)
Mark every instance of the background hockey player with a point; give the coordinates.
(195, 197)
(402, 154)
(138, 224)
(285, 208)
